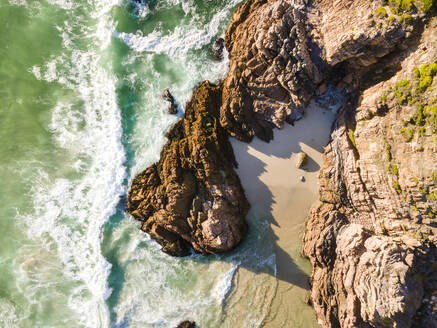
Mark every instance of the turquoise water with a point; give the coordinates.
(81, 113)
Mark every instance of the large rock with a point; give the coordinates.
(192, 197)
(271, 71)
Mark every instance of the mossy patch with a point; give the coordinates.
(402, 90)
(394, 170)
(406, 18)
(381, 12)
(427, 5)
(390, 20)
(397, 186)
(419, 117)
(398, 7)
(407, 134)
(388, 153)
(430, 113)
(425, 74)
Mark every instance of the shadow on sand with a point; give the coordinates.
(275, 191)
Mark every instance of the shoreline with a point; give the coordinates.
(273, 186)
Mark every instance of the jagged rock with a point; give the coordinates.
(187, 324)
(355, 30)
(167, 96)
(173, 108)
(271, 68)
(302, 159)
(368, 240)
(217, 48)
(192, 197)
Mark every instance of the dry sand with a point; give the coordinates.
(274, 188)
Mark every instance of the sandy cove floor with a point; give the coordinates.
(274, 188)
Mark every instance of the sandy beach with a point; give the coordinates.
(274, 188)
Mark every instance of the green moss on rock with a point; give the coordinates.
(381, 12)
(402, 90)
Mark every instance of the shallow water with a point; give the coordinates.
(81, 114)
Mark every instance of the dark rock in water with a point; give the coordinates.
(187, 324)
(173, 109)
(217, 48)
(193, 198)
(166, 95)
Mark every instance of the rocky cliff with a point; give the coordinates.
(372, 239)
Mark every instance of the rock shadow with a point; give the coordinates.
(270, 178)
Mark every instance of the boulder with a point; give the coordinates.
(192, 198)
(217, 49)
(302, 160)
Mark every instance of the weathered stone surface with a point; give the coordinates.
(218, 48)
(192, 197)
(271, 71)
(372, 241)
(352, 29)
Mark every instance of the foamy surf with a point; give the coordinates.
(107, 77)
(192, 36)
(72, 204)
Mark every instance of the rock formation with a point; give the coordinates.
(217, 49)
(372, 239)
(272, 73)
(192, 197)
(302, 160)
(167, 96)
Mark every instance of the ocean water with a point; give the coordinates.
(80, 115)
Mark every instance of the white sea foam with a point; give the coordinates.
(160, 291)
(183, 39)
(8, 317)
(65, 229)
(69, 212)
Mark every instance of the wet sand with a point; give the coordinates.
(274, 188)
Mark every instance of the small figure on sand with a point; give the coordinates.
(173, 108)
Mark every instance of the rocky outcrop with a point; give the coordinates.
(372, 240)
(167, 96)
(271, 73)
(192, 198)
